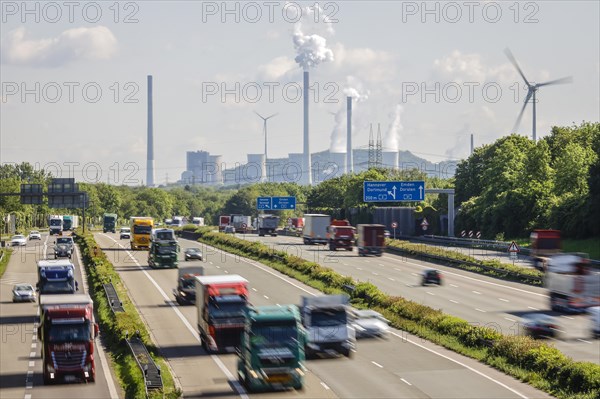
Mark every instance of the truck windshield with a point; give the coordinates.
(63, 240)
(165, 236)
(274, 334)
(220, 308)
(327, 318)
(80, 332)
(55, 222)
(56, 287)
(166, 249)
(142, 229)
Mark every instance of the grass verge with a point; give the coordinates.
(114, 327)
(5, 253)
(531, 361)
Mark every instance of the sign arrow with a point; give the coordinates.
(394, 193)
(420, 191)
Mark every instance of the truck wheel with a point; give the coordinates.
(332, 247)
(347, 353)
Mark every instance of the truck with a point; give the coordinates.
(163, 249)
(371, 239)
(141, 230)
(56, 277)
(220, 302)
(573, 286)
(109, 223)
(340, 234)
(198, 221)
(544, 244)
(327, 323)
(271, 353)
(223, 222)
(55, 224)
(67, 332)
(178, 221)
(267, 224)
(242, 224)
(315, 229)
(70, 222)
(185, 293)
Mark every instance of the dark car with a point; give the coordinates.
(539, 325)
(432, 277)
(193, 253)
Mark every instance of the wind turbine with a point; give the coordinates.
(265, 128)
(531, 90)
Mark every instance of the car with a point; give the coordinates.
(193, 253)
(18, 240)
(229, 230)
(23, 292)
(63, 247)
(124, 233)
(431, 276)
(540, 325)
(369, 323)
(35, 235)
(595, 321)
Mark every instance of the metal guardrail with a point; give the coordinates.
(151, 371)
(113, 299)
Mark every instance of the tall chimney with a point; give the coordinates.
(150, 151)
(472, 144)
(349, 161)
(306, 173)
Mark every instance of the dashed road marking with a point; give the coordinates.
(254, 289)
(480, 310)
(454, 285)
(406, 382)
(509, 319)
(453, 301)
(325, 385)
(266, 297)
(430, 293)
(532, 308)
(582, 340)
(476, 292)
(377, 364)
(503, 300)
(391, 279)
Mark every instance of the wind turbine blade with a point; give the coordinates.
(259, 115)
(568, 79)
(512, 59)
(518, 122)
(275, 114)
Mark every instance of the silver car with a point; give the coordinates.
(35, 235)
(23, 293)
(18, 240)
(369, 323)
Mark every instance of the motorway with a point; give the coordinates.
(20, 352)
(478, 299)
(402, 366)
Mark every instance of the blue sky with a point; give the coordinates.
(381, 50)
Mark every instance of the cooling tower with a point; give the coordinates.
(390, 159)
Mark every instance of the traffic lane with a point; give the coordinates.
(195, 372)
(354, 372)
(495, 304)
(166, 280)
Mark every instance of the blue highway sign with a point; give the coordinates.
(284, 203)
(393, 191)
(263, 203)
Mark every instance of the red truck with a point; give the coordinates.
(67, 332)
(224, 222)
(220, 304)
(371, 239)
(340, 234)
(544, 244)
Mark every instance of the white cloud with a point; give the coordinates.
(97, 43)
(276, 69)
(370, 65)
(460, 68)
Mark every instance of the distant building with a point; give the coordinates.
(202, 168)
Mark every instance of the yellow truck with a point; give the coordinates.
(141, 229)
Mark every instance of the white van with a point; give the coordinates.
(595, 321)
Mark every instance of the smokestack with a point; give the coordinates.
(349, 161)
(307, 163)
(150, 150)
(472, 144)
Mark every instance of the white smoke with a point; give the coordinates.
(391, 141)
(354, 88)
(311, 49)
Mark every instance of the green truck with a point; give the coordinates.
(109, 223)
(271, 353)
(163, 249)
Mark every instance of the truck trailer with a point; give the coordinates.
(67, 332)
(371, 239)
(56, 277)
(572, 285)
(109, 223)
(315, 229)
(340, 234)
(220, 302)
(328, 329)
(55, 224)
(242, 224)
(223, 222)
(163, 249)
(267, 224)
(544, 244)
(271, 354)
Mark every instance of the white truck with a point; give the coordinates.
(198, 221)
(327, 324)
(55, 223)
(315, 229)
(573, 286)
(242, 223)
(267, 224)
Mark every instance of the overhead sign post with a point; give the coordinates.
(393, 191)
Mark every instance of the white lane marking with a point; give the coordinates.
(325, 385)
(31, 364)
(191, 329)
(29, 373)
(381, 264)
(33, 345)
(395, 268)
(391, 279)
(454, 285)
(226, 271)
(112, 388)
(470, 278)
(568, 317)
(367, 261)
(430, 293)
(480, 310)
(509, 319)
(582, 340)
(414, 274)
(406, 382)
(476, 292)
(29, 385)
(254, 289)
(210, 263)
(345, 264)
(404, 339)
(453, 301)
(376, 274)
(218, 267)
(358, 268)
(31, 355)
(377, 364)
(28, 396)
(266, 297)
(532, 308)
(503, 300)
